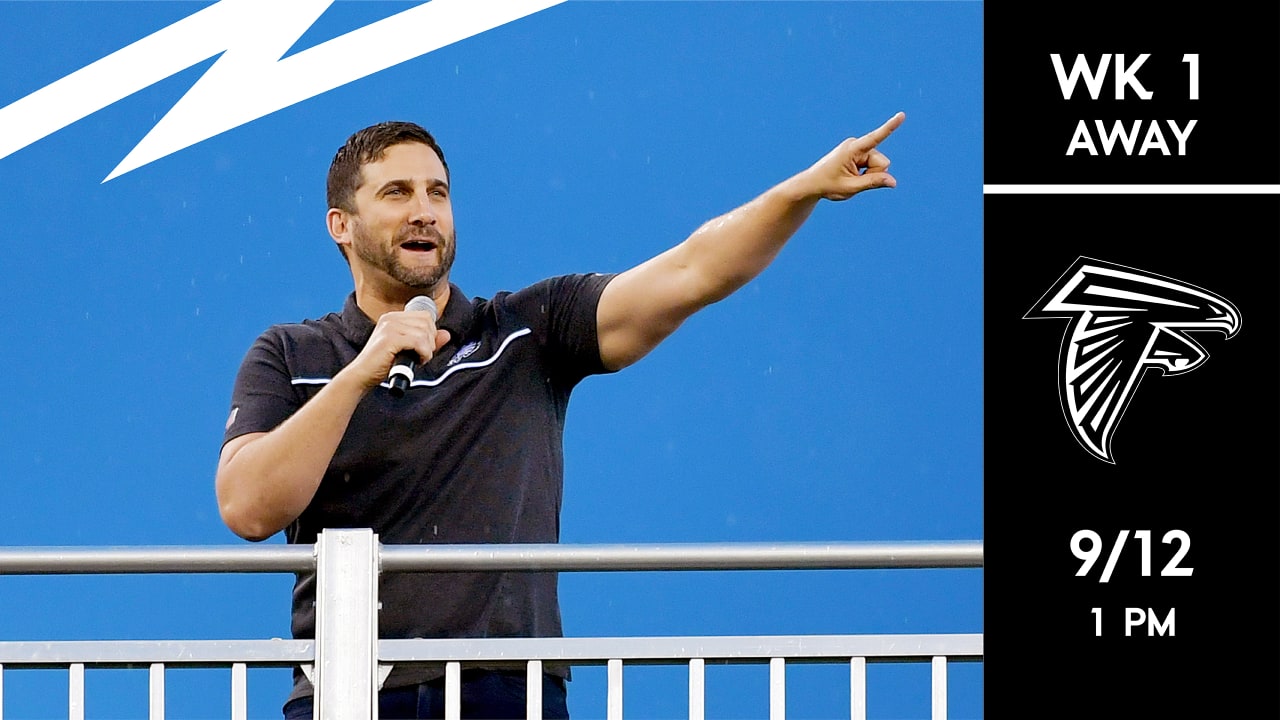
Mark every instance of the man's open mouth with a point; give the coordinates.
(419, 245)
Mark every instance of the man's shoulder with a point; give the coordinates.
(301, 336)
(323, 325)
(532, 303)
(554, 287)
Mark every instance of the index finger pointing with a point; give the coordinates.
(878, 135)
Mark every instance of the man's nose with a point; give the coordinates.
(423, 212)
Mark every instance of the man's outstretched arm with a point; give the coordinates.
(645, 304)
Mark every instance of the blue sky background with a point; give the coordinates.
(838, 397)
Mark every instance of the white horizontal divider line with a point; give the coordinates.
(1136, 189)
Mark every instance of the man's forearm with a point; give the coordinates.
(727, 252)
(265, 481)
(647, 303)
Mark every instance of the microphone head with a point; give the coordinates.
(422, 303)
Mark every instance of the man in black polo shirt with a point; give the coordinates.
(471, 452)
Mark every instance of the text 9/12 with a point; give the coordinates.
(1086, 545)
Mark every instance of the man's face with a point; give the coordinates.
(403, 224)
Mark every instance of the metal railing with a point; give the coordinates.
(346, 661)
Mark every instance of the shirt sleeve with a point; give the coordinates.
(263, 395)
(564, 308)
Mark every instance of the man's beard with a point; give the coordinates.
(386, 258)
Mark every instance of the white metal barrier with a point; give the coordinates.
(346, 657)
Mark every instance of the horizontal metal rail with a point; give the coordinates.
(519, 557)
(694, 652)
(347, 661)
(141, 560)
(575, 651)
(725, 649)
(681, 556)
(135, 653)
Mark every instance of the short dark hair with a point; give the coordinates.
(366, 146)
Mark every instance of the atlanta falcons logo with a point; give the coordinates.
(1123, 322)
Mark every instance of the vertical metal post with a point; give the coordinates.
(75, 692)
(858, 688)
(533, 690)
(239, 691)
(613, 704)
(697, 689)
(1, 691)
(156, 687)
(940, 688)
(346, 683)
(453, 690)
(777, 688)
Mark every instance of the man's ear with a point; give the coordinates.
(338, 222)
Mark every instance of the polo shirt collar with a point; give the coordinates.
(458, 314)
(357, 327)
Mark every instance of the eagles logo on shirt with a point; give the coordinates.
(1122, 323)
(464, 353)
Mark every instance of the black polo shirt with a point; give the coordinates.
(472, 453)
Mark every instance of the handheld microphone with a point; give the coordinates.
(407, 360)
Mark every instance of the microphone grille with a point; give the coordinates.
(423, 303)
